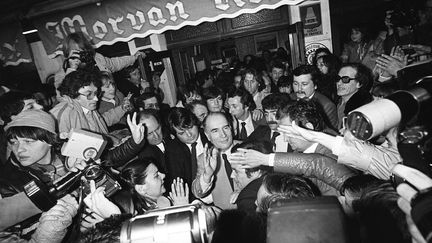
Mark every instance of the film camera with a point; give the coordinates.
(86, 57)
(82, 145)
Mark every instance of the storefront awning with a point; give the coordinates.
(13, 45)
(113, 20)
(110, 21)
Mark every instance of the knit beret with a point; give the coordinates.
(33, 118)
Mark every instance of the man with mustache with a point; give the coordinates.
(305, 85)
(271, 104)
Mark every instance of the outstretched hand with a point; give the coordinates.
(257, 114)
(210, 162)
(295, 131)
(127, 104)
(179, 192)
(248, 158)
(137, 129)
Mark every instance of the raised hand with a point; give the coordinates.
(74, 60)
(210, 162)
(390, 64)
(257, 114)
(126, 104)
(137, 130)
(179, 192)
(139, 53)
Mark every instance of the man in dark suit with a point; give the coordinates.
(157, 139)
(305, 114)
(241, 105)
(183, 151)
(271, 104)
(305, 85)
(248, 181)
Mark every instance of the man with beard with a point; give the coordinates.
(271, 104)
(305, 85)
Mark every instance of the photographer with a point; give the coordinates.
(35, 155)
(78, 110)
(80, 53)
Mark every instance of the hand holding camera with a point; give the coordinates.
(53, 224)
(415, 201)
(127, 104)
(98, 203)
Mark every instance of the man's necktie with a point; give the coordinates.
(273, 140)
(243, 133)
(228, 169)
(194, 159)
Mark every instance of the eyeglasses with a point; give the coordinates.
(91, 96)
(344, 79)
(152, 106)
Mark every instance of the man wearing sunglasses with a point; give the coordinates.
(353, 87)
(305, 85)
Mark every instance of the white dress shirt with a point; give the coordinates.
(249, 125)
(281, 145)
(199, 146)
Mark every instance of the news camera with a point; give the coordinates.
(81, 145)
(410, 111)
(174, 224)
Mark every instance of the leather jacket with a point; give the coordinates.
(123, 153)
(315, 166)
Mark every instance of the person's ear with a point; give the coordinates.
(141, 189)
(309, 126)
(358, 85)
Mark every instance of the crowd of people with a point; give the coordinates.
(237, 142)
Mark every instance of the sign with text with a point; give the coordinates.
(111, 20)
(311, 17)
